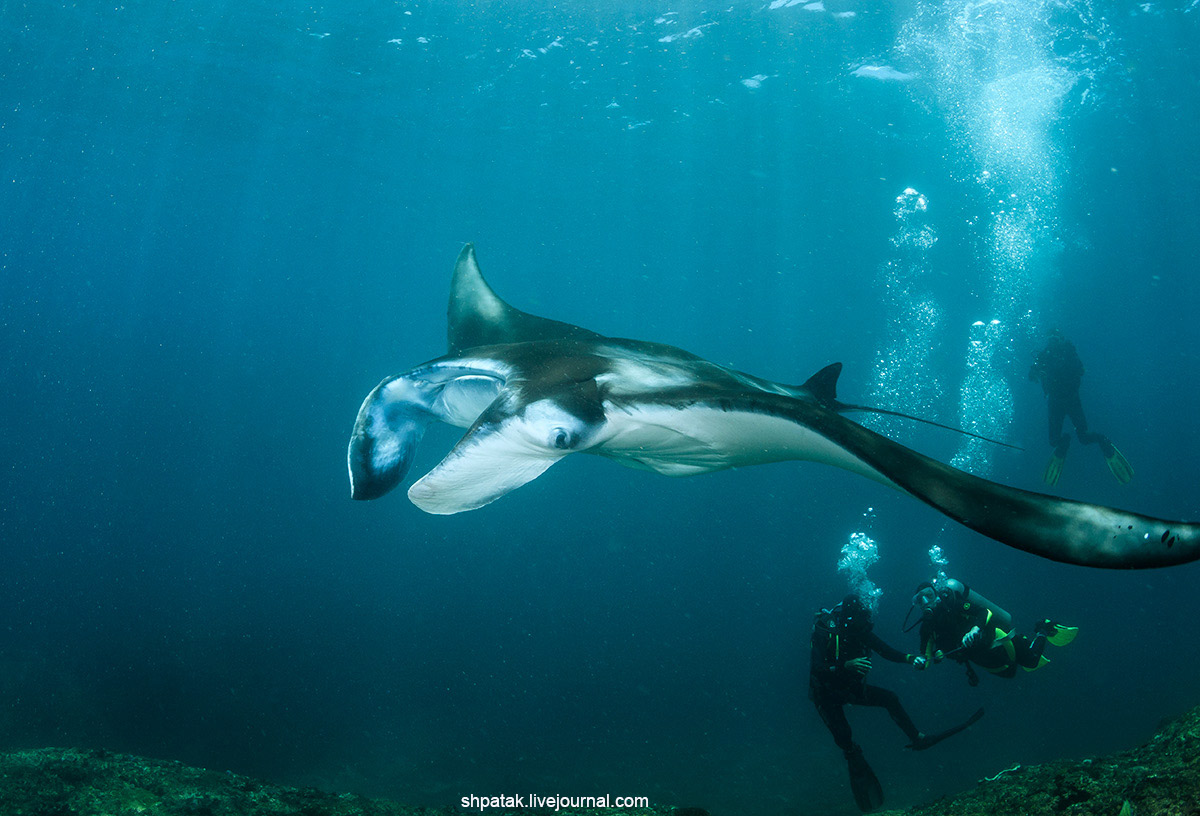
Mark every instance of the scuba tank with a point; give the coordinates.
(953, 595)
(966, 599)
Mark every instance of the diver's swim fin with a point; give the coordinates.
(1054, 468)
(868, 793)
(1058, 634)
(930, 740)
(1117, 463)
(1042, 662)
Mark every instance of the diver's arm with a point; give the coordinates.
(887, 652)
(929, 648)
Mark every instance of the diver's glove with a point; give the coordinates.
(920, 662)
(970, 637)
(859, 665)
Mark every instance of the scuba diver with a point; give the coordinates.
(960, 624)
(1060, 371)
(842, 642)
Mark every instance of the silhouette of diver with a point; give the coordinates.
(1060, 371)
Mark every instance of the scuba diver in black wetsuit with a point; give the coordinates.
(842, 642)
(960, 624)
(1060, 371)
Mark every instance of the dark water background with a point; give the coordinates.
(222, 223)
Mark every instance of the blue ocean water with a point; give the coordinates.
(224, 223)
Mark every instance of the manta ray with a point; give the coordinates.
(531, 391)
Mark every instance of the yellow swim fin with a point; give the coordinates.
(1117, 463)
(1054, 469)
(1059, 635)
(1042, 661)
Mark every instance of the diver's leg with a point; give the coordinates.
(1056, 412)
(1116, 461)
(1061, 442)
(999, 659)
(876, 696)
(863, 783)
(1074, 409)
(1028, 653)
(833, 714)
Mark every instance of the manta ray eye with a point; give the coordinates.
(561, 438)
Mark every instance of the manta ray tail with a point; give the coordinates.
(1059, 529)
(886, 412)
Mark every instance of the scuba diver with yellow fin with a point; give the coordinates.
(959, 624)
(842, 642)
(1060, 371)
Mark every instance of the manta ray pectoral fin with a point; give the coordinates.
(488, 462)
(507, 449)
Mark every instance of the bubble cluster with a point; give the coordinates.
(858, 554)
(1003, 73)
(985, 398)
(904, 379)
(938, 560)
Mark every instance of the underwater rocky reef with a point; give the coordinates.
(1160, 778)
(73, 782)
(76, 782)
